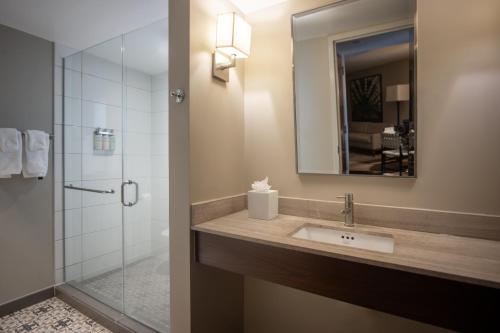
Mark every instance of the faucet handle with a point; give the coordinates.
(346, 196)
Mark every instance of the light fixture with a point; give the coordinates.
(398, 93)
(233, 42)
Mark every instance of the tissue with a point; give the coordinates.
(261, 185)
(262, 201)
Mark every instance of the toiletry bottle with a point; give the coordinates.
(97, 140)
(112, 140)
(105, 141)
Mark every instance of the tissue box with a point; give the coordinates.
(263, 205)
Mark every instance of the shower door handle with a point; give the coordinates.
(132, 203)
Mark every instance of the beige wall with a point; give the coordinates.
(179, 209)
(217, 164)
(458, 80)
(272, 308)
(216, 112)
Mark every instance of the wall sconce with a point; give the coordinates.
(233, 42)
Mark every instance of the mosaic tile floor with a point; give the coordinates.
(147, 291)
(52, 315)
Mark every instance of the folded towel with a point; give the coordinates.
(9, 142)
(36, 154)
(37, 140)
(10, 152)
(389, 130)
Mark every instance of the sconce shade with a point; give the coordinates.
(233, 35)
(397, 93)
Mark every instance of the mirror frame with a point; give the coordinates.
(413, 91)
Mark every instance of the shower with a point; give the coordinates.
(116, 174)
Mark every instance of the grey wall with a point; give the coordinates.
(26, 205)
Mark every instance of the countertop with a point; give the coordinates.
(457, 258)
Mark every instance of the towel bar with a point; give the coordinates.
(71, 187)
(51, 136)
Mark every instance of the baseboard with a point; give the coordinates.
(25, 301)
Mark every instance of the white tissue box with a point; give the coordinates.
(263, 205)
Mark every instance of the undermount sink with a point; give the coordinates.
(342, 236)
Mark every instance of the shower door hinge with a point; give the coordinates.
(179, 95)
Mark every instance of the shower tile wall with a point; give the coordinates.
(159, 164)
(93, 98)
(137, 164)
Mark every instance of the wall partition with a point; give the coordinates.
(116, 174)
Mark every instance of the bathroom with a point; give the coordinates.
(137, 105)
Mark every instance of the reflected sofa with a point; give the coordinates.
(366, 136)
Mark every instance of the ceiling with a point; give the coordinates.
(378, 57)
(145, 49)
(250, 6)
(84, 23)
(80, 23)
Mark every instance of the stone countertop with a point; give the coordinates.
(456, 258)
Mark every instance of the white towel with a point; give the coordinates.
(10, 152)
(36, 154)
(389, 130)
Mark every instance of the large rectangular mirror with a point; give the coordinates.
(354, 81)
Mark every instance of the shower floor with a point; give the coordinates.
(145, 295)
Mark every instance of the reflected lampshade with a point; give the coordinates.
(397, 93)
(233, 35)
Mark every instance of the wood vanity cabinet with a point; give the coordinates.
(439, 301)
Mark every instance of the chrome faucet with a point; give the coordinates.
(348, 210)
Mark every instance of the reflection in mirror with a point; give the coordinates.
(354, 87)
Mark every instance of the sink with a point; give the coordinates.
(346, 237)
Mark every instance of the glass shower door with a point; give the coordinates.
(116, 174)
(93, 172)
(145, 156)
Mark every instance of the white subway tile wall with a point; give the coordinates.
(102, 68)
(101, 115)
(159, 164)
(90, 95)
(99, 90)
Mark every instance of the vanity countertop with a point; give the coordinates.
(457, 258)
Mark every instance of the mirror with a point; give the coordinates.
(354, 82)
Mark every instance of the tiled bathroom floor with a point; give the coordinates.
(52, 315)
(146, 294)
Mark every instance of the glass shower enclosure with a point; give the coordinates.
(116, 184)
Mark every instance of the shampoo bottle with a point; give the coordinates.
(97, 141)
(105, 142)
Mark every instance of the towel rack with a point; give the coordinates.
(71, 187)
(51, 136)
